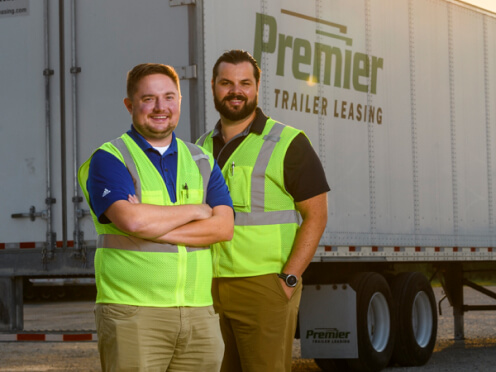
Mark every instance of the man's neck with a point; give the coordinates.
(154, 141)
(231, 129)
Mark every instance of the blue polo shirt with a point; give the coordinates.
(110, 181)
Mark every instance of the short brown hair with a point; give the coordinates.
(140, 71)
(234, 57)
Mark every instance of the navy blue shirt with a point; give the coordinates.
(110, 181)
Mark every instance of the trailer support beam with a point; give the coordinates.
(453, 286)
(11, 304)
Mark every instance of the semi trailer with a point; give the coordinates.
(398, 98)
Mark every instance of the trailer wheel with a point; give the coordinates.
(375, 322)
(59, 293)
(416, 318)
(46, 293)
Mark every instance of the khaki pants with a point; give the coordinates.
(133, 338)
(258, 323)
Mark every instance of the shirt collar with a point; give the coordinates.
(145, 146)
(256, 126)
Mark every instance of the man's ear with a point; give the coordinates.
(129, 105)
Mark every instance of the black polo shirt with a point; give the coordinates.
(304, 175)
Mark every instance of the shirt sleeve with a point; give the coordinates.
(304, 176)
(108, 181)
(217, 191)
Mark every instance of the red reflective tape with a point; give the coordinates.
(2, 245)
(327, 248)
(455, 249)
(60, 243)
(27, 245)
(437, 249)
(418, 249)
(473, 249)
(375, 249)
(30, 337)
(79, 337)
(352, 249)
(397, 249)
(490, 249)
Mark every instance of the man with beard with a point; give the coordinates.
(274, 177)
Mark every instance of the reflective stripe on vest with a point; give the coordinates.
(201, 140)
(129, 162)
(201, 161)
(258, 216)
(199, 157)
(140, 272)
(266, 219)
(131, 243)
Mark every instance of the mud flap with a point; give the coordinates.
(328, 322)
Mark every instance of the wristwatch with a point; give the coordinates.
(289, 279)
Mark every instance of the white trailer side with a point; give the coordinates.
(397, 96)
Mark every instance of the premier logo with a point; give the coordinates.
(327, 63)
(327, 336)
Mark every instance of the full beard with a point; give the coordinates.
(235, 114)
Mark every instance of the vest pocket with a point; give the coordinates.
(191, 196)
(239, 183)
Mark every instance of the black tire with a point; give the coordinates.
(59, 293)
(46, 293)
(28, 291)
(375, 322)
(416, 317)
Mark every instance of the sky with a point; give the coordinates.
(486, 4)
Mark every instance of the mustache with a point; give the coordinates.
(234, 96)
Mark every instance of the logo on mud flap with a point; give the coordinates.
(328, 336)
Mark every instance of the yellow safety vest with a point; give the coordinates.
(266, 218)
(133, 271)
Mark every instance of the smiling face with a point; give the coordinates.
(235, 91)
(155, 108)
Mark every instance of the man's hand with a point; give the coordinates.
(201, 233)
(288, 290)
(132, 199)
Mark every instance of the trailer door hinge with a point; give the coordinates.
(181, 2)
(186, 72)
